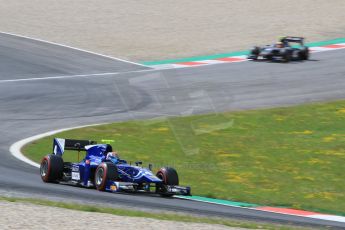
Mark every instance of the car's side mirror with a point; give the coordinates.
(137, 163)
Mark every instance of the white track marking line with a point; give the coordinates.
(168, 66)
(71, 47)
(56, 77)
(212, 61)
(329, 217)
(15, 149)
(74, 76)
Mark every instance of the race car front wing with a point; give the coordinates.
(116, 186)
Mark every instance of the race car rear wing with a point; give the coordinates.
(292, 39)
(60, 145)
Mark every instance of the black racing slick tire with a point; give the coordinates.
(51, 168)
(305, 54)
(104, 172)
(168, 176)
(286, 57)
(254, 53)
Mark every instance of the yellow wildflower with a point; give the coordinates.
(342, 111)
(161, 129)
(305, 132)
(328, 139)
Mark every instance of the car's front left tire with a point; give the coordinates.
(104, 172)
(168, 176)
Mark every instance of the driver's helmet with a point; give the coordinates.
(279, 45)
(282, 38)
(108, 149)
(113, 157)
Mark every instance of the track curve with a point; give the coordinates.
(134, 92)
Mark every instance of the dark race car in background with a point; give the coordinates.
(112, 175)
(287, 49)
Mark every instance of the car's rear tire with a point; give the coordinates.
(168, 176)
(51, 168)
(305, 54)
(104, 172)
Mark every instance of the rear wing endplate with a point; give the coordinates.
(60, 145)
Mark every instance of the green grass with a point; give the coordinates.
(153, 215)
(291, 157)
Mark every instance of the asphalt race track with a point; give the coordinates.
(45, 87)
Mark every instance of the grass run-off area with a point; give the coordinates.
(292, 157)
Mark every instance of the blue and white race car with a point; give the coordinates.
(103, 169)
